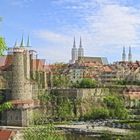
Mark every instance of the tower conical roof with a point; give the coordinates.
(80, 43)
(74, 44)
(22, 42)
(28, 42)
(15, 45)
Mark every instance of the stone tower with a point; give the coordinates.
(129, 55)
(20, 71)
(123, 55)
(18, 74)
(74, 52)
(21, 90)
(80, 49)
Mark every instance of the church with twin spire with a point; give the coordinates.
(129, 55)
(76, 53)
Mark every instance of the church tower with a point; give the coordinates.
(80, 49)
(129, 55)
(123, 54)
(74, 52)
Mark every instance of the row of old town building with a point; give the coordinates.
(23, 75)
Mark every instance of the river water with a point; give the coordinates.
(83, 137)
(79, 137)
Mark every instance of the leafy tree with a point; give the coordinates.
(3, 46)
(6, 105)
(60, 81)
(121, 82)
(98, 113)
(116, 106)
(87, 83)
(65, 109)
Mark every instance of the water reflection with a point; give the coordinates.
(105, 136)
(80, 137)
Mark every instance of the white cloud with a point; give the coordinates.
(58, 46)
(109, 27)
(52, 36)
(114, 24)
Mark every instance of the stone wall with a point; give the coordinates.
(81, 93)
(12, 117)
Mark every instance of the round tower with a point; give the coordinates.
(18, 74)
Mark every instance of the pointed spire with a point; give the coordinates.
(123, 54)
(129, 54)
(21, 44)
(129, 49)
(15, 45)
(80, 42)
(124, 50)
(28, 42)
(74, 44)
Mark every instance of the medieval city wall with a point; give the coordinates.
(81, 93)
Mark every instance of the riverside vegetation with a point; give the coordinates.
(64, 110)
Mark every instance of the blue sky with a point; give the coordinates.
(104, 25)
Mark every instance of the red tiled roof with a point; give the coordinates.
(47, 68)
(107, 69)
(38, 64)
(6, 134)
(2, 60)
(6, 61)
(9, 60)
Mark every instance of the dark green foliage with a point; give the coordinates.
(98, 113)
(85, 83)
(116, 107)
(111, 107)
(5, 106)
(124, 82)
(60, 81)
(121, 82)
(44, 97)
(64, 109)
(2, 45)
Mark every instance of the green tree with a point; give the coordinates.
(87, 83)
(65, 109)
(60, 81)
(3, 47)
(97, 113)
(116, 106)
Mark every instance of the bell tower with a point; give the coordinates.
(74, 52)
(123, 55)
